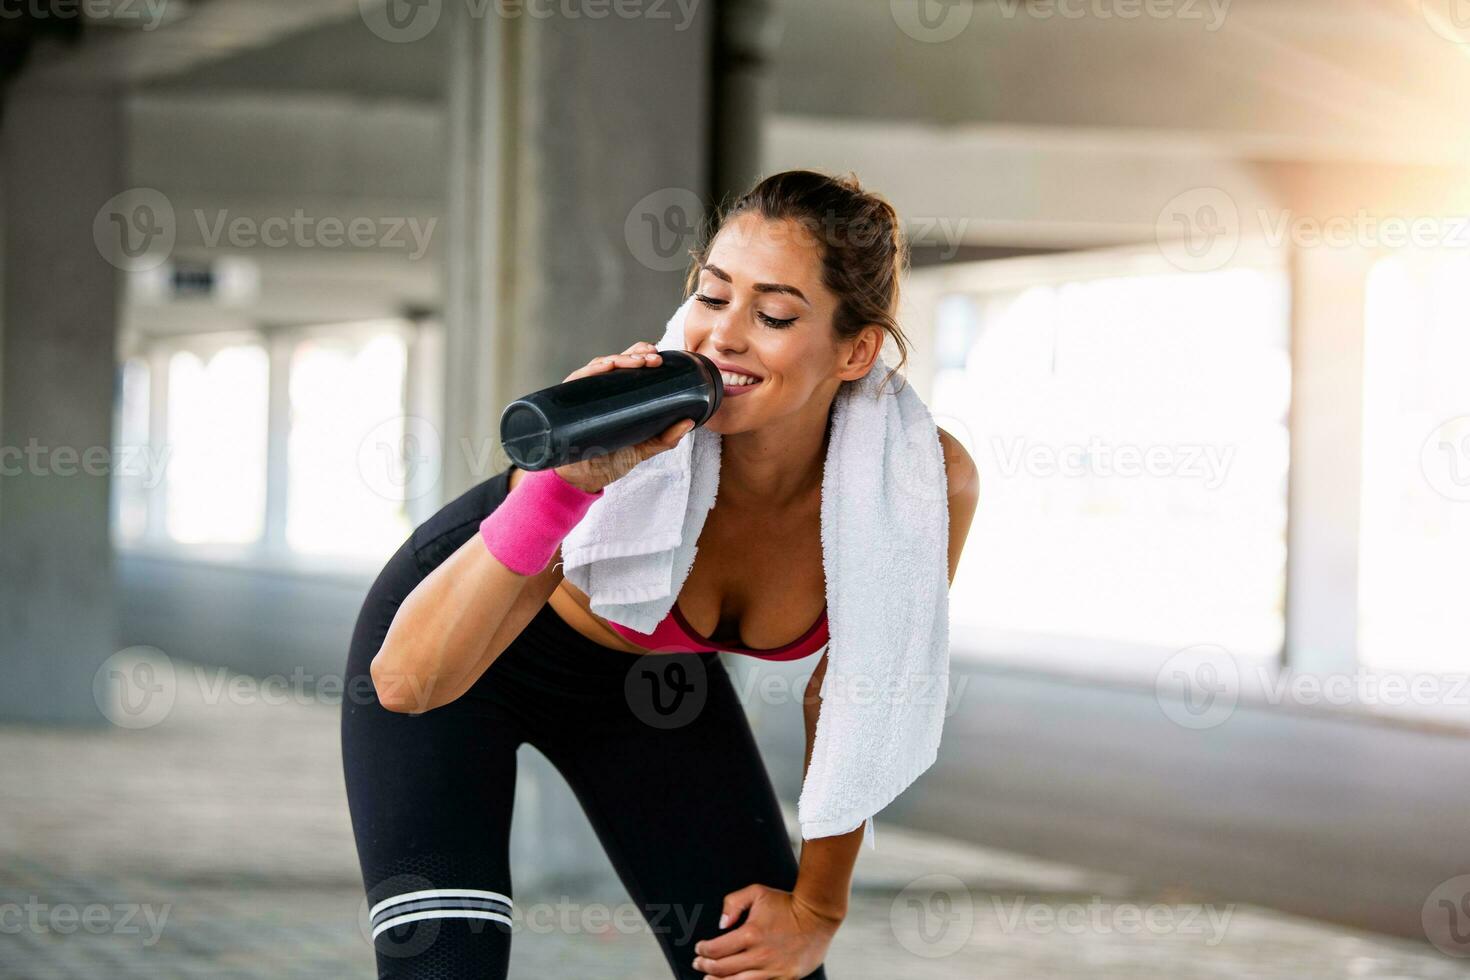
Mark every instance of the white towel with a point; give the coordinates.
(885, 532)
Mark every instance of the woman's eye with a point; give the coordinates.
(770, 321)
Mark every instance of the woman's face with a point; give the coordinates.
(761, 313)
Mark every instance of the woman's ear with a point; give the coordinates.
(860, 352)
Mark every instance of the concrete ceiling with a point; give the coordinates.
(1281, 78)
(1287, 70)
(173, 37)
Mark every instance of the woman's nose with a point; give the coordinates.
(726, 332)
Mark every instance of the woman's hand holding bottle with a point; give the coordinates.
(596, 472)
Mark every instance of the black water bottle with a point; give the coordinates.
(590, 416)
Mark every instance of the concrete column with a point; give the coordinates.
(747, 33)
(484, 87)
(62, 159)
(577, 171)
(1326, 458)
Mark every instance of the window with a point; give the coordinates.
(342, 386)
(134, 472)
(252, 446)
(216, 441)
(1414, 539)
(1129, 423)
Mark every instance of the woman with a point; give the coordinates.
(476, 644)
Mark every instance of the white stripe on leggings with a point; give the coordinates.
(440, 914)
(436, 893)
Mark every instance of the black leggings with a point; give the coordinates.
(656, 748)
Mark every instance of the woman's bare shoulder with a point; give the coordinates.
(963, 475)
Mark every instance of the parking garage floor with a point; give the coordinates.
(190, 849)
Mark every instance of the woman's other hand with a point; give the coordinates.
(782, 937)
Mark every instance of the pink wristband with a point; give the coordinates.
(524, 531)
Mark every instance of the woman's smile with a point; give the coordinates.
(737, 380)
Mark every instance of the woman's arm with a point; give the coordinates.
(827, 862)
(454, 624)
(789, 932)
(465, 612)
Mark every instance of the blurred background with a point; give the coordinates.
(1189, 280)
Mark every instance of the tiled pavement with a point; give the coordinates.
(216, 844)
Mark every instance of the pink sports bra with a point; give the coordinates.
(675, 634)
